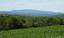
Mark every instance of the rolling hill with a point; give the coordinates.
(34, 12)
(29, 12)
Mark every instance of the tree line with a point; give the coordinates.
(14, 22)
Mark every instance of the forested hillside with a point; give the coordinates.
(14, 22)
(60, 15)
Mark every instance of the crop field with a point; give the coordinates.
(39, 32)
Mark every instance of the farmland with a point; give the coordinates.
(56, 31)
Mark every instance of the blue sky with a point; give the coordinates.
(44, 5)
(7, 5)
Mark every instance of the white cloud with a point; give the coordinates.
(43, 5)
(7, 6)
(46, 5)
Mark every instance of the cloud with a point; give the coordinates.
(45, 5)
(7, 4)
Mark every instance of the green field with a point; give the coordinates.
(39, 32)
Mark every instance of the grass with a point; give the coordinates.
(39, 32)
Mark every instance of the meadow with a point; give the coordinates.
(56, 31)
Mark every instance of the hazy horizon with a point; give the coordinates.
(42, 5)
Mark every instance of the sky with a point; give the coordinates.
(43, 5)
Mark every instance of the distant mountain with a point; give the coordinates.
(34, 13)
(29, 12)
(60, 15)
(6, 12)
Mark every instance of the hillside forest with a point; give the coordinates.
(14, 22)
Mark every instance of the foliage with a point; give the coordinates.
(14, 22)
(40, 32)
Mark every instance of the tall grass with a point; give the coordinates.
(39, 32)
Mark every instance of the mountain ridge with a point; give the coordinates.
(29, 12)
